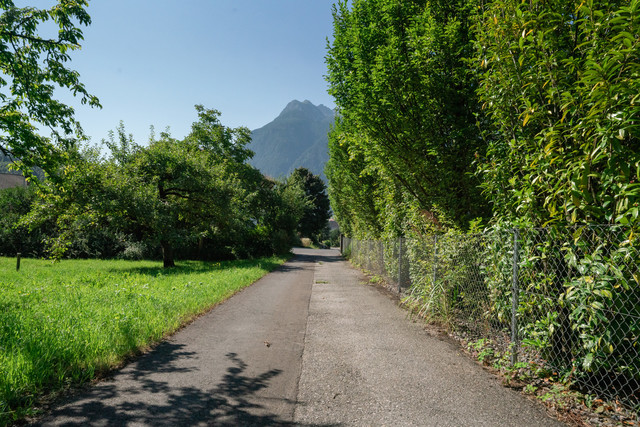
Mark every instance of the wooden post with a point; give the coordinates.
(18, 261)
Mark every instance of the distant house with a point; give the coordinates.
(8, 180)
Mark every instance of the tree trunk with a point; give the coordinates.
(167, 254)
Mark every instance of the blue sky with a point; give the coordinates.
(149, 62)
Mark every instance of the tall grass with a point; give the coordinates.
(68, 322)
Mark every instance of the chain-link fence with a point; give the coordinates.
(562, 300)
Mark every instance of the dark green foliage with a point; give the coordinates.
(283, 206)
(330, 238)
(318, 211)
(14, 204)
(190, 182)
(32, 67)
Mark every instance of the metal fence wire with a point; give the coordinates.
(566, 300)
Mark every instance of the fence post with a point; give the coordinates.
(18, 261)
(341, 244)
(383, 268)
(399, 264)
(514, 299)
(435, 259)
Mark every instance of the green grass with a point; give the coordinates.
(67, 323)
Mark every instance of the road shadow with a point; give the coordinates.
(317, 255)
(232, 402)
(330, 258)
(326, 255)
(294, 264)
(194, 267)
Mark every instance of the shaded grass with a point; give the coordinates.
(67, 323)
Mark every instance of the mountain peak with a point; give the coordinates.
(296, 138)
(296, 105)
(307, 109)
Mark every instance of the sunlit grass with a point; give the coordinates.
(68, 322)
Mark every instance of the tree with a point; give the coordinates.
(318, 212)
(398, 71)
(31, 67)
(14, 237)
(191, 193)
(354, 186)
(185, 196)
(278, 209)
(193, 188)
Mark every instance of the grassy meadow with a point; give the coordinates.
(66, 323)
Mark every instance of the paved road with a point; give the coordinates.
(309, 344)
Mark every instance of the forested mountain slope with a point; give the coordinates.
(296, 138)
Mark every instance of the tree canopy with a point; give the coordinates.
(193, 198)
(318, 210)
(33, 63)
(407, 102)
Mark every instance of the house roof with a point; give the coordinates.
(8, 180)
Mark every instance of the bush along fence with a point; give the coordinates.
(565, 301)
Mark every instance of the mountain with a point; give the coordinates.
(296, 138)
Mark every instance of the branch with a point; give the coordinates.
(33, 39)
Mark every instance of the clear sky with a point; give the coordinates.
(150, 61)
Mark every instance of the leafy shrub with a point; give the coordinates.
(15, 237)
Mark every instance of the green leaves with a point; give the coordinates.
(209, 134)
(35, 66)
(195, 198)
(399, 76)
(317, 210)
(560, 88)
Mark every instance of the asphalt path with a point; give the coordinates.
(309, 344)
